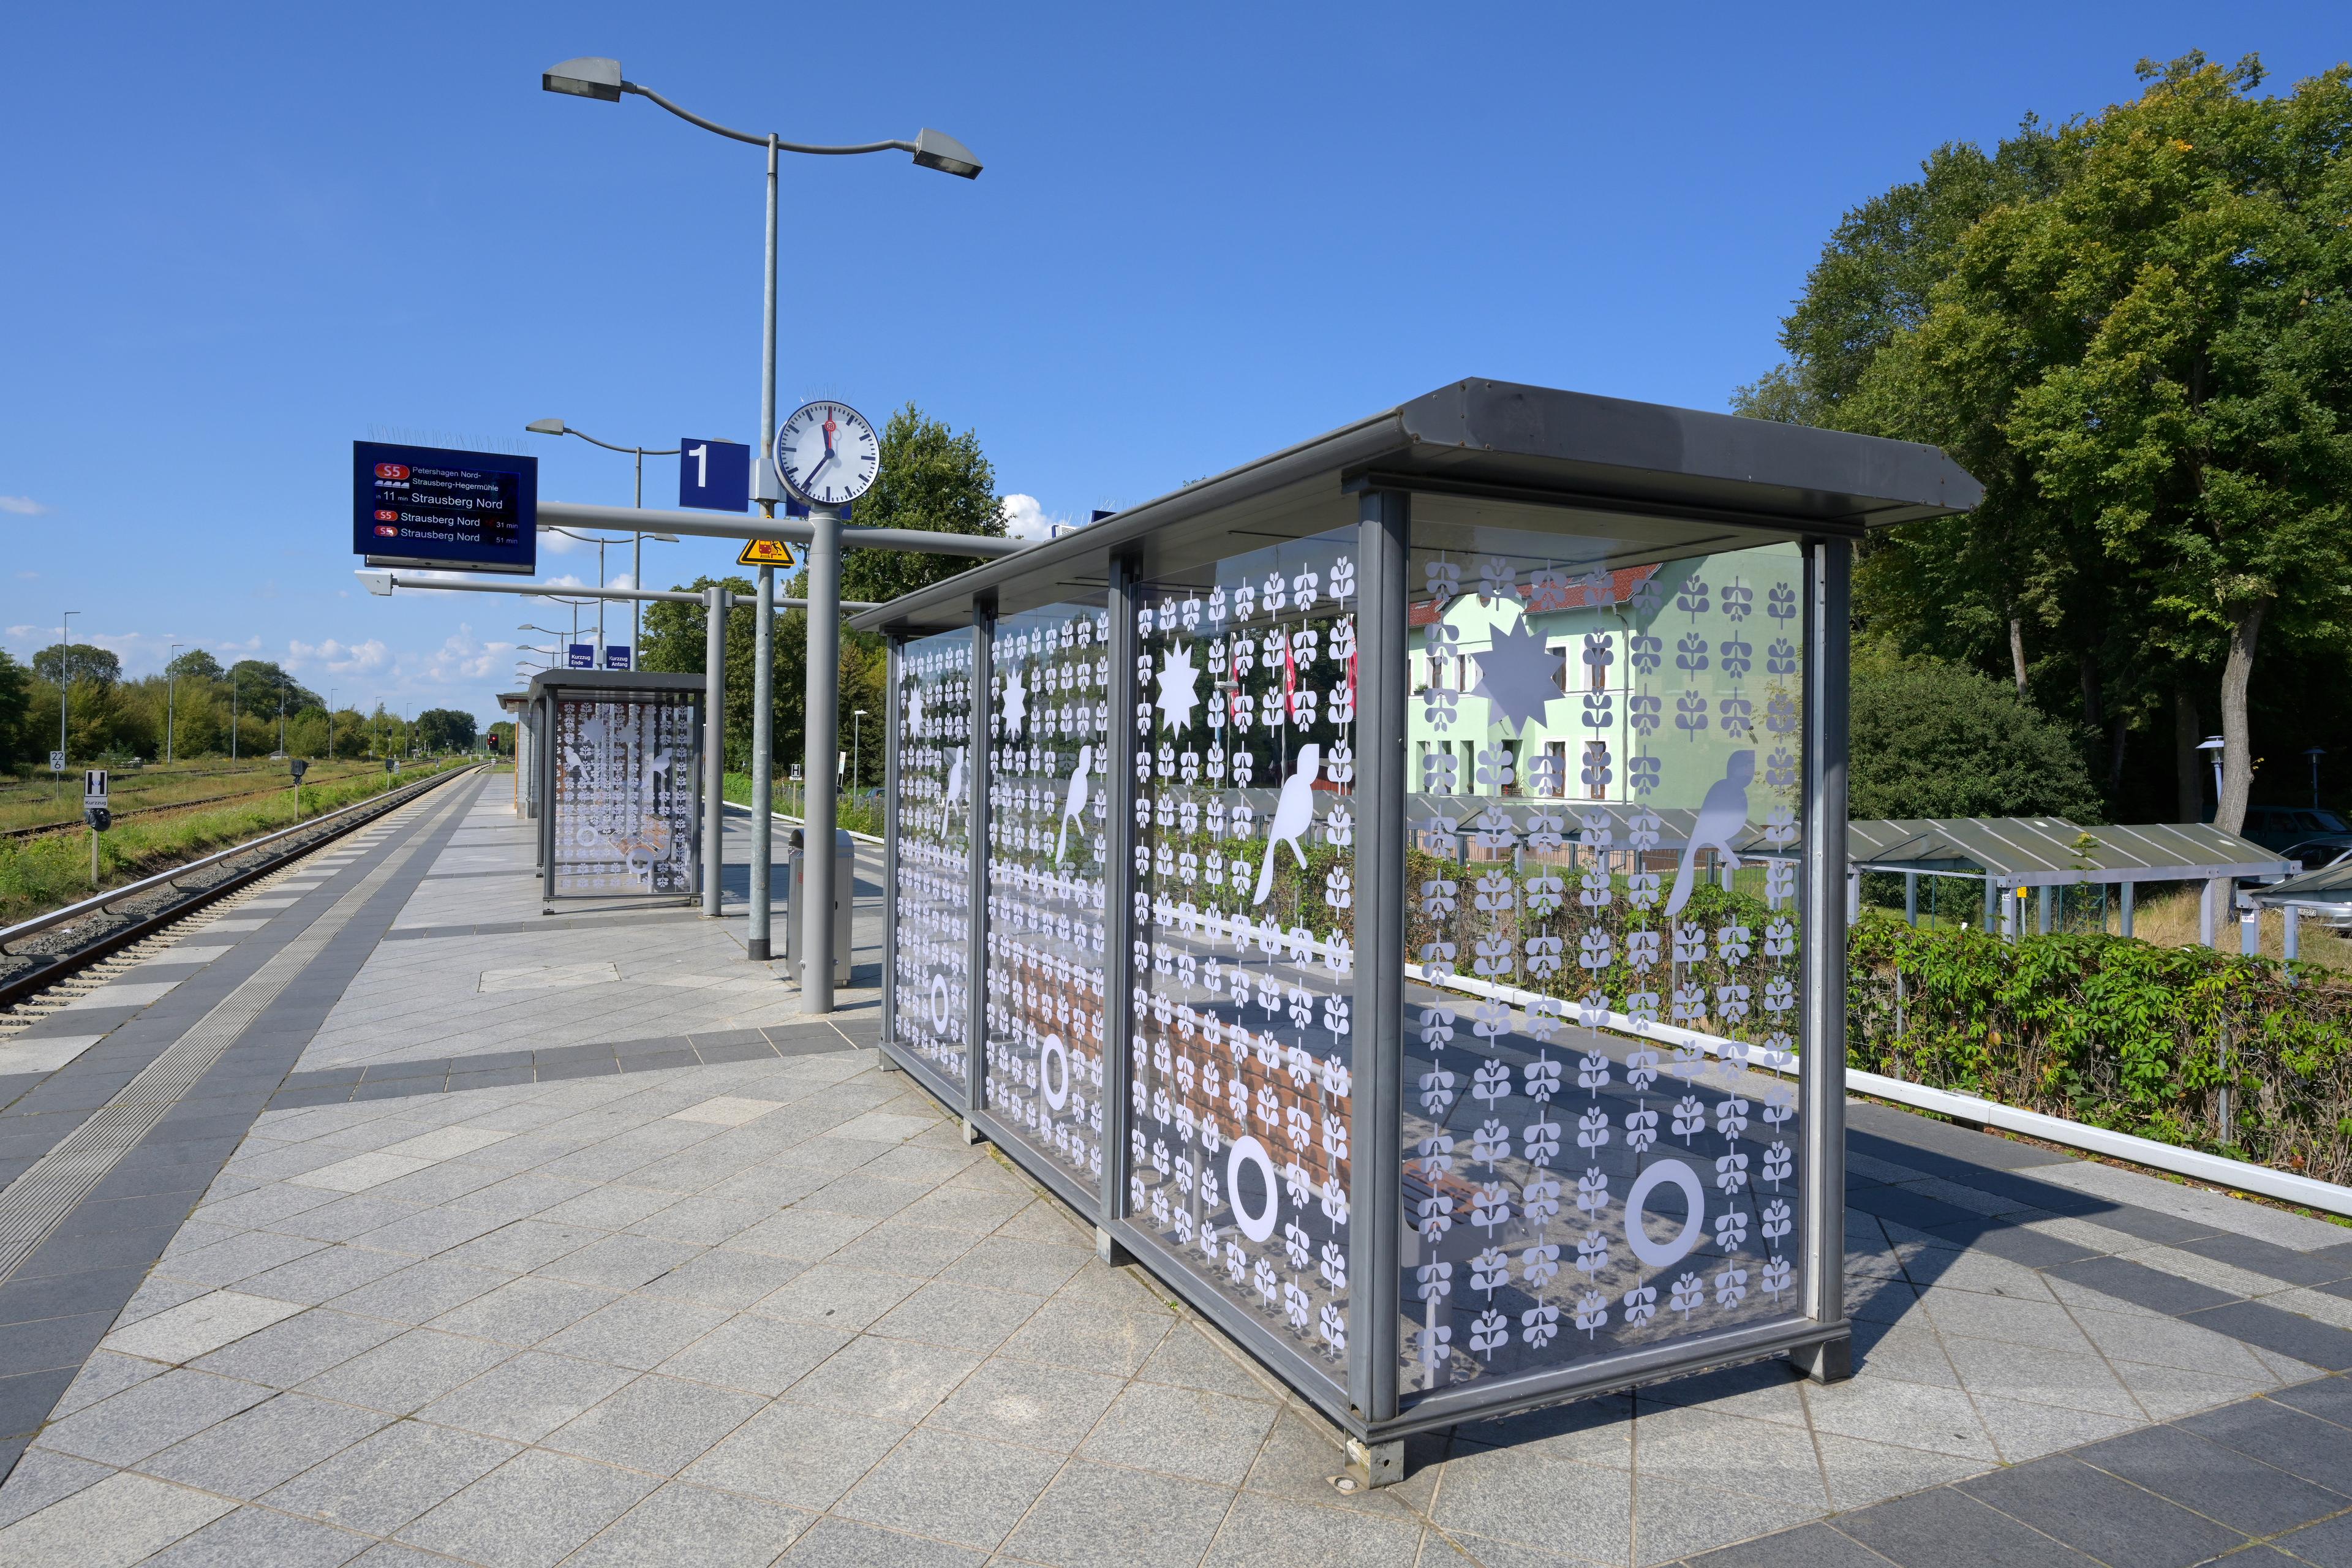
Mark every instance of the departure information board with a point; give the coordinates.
(429, 506)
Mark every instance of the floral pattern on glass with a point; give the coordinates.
(932, 899)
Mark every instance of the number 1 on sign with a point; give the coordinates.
(702, 455)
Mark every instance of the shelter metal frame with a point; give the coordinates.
(1725, 483)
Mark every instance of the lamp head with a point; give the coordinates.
(663, 538)
(590, 76)
(937, 150)
(545, 427)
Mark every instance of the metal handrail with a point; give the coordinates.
(73, 912)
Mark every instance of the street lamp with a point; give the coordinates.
(170, 702)
(637, 559)
(598, 77)
(856, 733)
(2213, 743)
(65, 680)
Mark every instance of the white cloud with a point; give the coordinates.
(29, 577)
(561, 544)
(23, 506)
(462, 657)
(1025, 518)
(338, 657)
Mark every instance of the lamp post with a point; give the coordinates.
(856, 735)
(597, 77)
(2315, 754)
(65, 678)
(172, 709)
(637, 558)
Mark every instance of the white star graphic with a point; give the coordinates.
(1179, 677)
(1516, 675)
(1016, 703)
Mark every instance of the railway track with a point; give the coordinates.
(73, 825)
(47, 962)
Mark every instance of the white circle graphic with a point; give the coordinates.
(1257, 1228)
(940, 1003)
(1638, 1238)
(1050, 1050)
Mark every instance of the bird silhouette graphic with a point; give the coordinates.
(1722, 815)
(1074, 805)
(953, 794)
(1294, 814)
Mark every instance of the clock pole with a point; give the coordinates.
(763, 624)
(821, 728)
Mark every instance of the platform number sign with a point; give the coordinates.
(715, 475)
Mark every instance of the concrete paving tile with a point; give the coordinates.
(1533, 1501)
(420, 1292)
(727, 1110)
(760, 1355)
(105, 1373)
(775, 1186)
(953, 1487)
(226, 1262)
(619, 1262)
(1095, 1516)
(360, 1173)
(42, 1478)
(892, 1380)
(840, 1543)
(198, 1327)
(425, 1233)
(323, 1275)
(149, 1416)
(530, 1512)
(391, 1477)
(275, 1441)
(2280, 1436)
(1911, 1355)
(1064, 1334)
(253, 1535)
(1861, 1473)
(953, 1313)
(2023, 1430)
(2221, 1483)
(833, 1294)
(1193, 1357)
(1302, 1453)
(2074, 1380)
(723, 1277)
(1945, 1526)
(2102, 1516)
(869, 1197)
(969, 1210)
(797, 1454)
(2166, 1393)
(525, 1399)
(1760, 1391)
(1678, 1518)
(1019, 1402)
(803, 1234)
(407, 1374)
(116, 1522)
(704, 1220)
(1753, 1460)
(343, 1219)
(1808, 1546)
(656, 1423)
(1905, 1415)
(690, 1524)
(1185, 1432)
(524, 1311)
(638, 1332)
(609, 1208)
(300, 1348)
(520, 1196)
(523, 1245)
(1007, 1263)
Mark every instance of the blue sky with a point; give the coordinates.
(239, 237)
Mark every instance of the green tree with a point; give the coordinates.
(260, 685)
(15, 704)
(196, 665)
(1932, 738)
(446, 730)
(87, 662)
(931, 479)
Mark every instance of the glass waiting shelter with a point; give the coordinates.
(1395, 889)
(614, 760)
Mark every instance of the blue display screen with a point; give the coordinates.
(428, 505)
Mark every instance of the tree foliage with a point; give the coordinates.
(1932, 738)
(2136, 331)
(931, 479)
(85, 660)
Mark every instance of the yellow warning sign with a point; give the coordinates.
(767, 552)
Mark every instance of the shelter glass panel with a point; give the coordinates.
(1049, 803)
(1601, 1020)
(1243, 843)
(933, 900)
(625, 794)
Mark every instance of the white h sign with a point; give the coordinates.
(93, 788)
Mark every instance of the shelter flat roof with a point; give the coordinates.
(1506, 441)
(2328, 885)
(612, 680)
(2047, 851)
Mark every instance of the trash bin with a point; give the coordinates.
(845, 886)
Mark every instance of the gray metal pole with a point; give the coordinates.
(763, 761)
(763, 695)
(893, 673)
(821, 724)
(714, 749)
(979, 783)
(1822, 1084)
(1118, 914)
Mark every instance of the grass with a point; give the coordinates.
(45, 873)
(861, 814)
(39, 801)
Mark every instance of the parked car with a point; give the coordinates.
(2318, 853)
(2281, 826)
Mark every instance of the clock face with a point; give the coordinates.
(827, 454)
